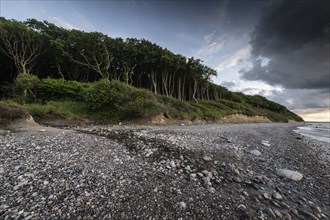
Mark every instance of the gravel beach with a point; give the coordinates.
(225, 171)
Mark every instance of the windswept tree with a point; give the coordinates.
(88, 49)
(21, 44)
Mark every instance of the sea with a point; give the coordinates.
(319, 131)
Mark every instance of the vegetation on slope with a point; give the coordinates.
(91, 75)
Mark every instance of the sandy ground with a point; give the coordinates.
(225, 171)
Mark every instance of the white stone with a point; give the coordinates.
(255, 152)
(173, 164)
(265, 143)
(183, 205)
(292, 175)
(207, 158)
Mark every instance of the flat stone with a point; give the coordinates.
(289, 174)
(255, 152)
(207, 158)
(277, 196)
(265, 143)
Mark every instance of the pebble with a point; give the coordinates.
(233, 169)
(289, 174)
(310, 215)
(244, 193)
(207, 158)
(173, 164)
(212, 190)
(278, 214)
(277, 196)
(265, 143)
(182, 205)
(267, 196)
(241, 207)
(255, 152)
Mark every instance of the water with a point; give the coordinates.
(319, 131)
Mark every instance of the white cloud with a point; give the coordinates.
(212, 45)
(65, 24)
(234, 59)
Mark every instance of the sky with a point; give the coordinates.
(274, 48)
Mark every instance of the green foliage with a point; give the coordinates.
(25, 87)
(104, 93)
(60, 89)
(66, 109)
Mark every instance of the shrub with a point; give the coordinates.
(25, 87)
(104, 93)
(60, 89)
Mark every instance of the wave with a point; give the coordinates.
(319, 131)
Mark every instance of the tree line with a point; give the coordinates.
(46, 50)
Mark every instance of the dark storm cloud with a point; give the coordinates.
(294, 35)
(302, 98)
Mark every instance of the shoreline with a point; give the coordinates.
(195, 171)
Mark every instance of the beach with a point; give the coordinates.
(215, 171)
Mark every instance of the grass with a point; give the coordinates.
(66, 109)
(110, 102)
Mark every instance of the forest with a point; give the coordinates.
(41, 62)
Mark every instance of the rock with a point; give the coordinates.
(265, 143)
(207, 158)
(241, 207)
(212, 190)
(172, 164)
(237, 179)
(193, 175)
(277, 196)
(207, 173)
(310, 215)
(244, 193)
(182, 205)
(289, 174)
(278, 214)
(255, 152)
(233, 169)
(267, 196)
(272, 214)
(295, 212)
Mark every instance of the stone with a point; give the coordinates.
(182, 205)
(244, 193)
(233, 169)
(265, 143)
(212, 190)
(255, 152)
(172, 164)
(277, 196)
(310, 215)
(289, 174)
(278, 214)
(241, 207)
(207, 158)
(267, 196)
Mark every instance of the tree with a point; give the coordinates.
(21, 44)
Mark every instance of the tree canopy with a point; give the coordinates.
(46, 50)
